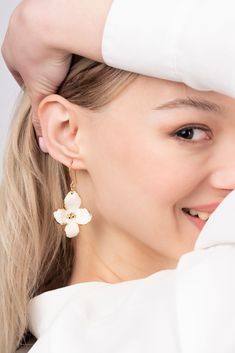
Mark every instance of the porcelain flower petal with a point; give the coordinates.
(72, 215)
(71, 230)
(61, 216)
(72, 201)
(82, 216)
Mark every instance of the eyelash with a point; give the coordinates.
(192, 127)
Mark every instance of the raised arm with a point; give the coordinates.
(41, 36)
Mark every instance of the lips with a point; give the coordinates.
(204, 216)
(199, 214)
(209, 208)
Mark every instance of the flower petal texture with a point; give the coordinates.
(72, 201)
(83, 216)
(71, 230)
(72, 215)
(60, 216)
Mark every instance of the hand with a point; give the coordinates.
(40, 38)
(34, 64)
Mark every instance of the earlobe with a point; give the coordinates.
(60, 125)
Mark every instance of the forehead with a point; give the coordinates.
(176, 95)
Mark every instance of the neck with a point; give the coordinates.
(110, 256)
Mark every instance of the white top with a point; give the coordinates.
(190, 309)
(189, 41)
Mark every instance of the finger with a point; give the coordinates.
(42, 144)
(35, 100)
(10, 67)
(38, 131)
(18, 78)
(36, 124)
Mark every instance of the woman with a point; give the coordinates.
(124, 140)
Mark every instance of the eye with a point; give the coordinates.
(193, 134)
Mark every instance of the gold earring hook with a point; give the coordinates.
(73, 184)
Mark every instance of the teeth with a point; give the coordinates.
(202, 215)
(193, 212)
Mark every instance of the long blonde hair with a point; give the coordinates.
(35, 256)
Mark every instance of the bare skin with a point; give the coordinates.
(41, 58)
(148, 172)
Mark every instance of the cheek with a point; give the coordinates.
(132, 179)
(161, 174)
(169, 171)
(137, 179)
(119, 177)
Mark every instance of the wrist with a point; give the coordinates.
(74, 26)
(35, 19)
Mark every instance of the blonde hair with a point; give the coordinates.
(35, 255)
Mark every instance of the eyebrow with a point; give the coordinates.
(191, 102)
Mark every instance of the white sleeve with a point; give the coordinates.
(205, 286)
(188, 41)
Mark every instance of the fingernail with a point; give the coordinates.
(42, 145)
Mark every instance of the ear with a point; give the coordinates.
(61, 124)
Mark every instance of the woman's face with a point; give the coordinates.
(159, 148)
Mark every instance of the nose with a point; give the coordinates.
(224, 178)
(222, 163)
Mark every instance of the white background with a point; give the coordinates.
(9, 89)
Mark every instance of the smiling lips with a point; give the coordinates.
(204, 216)
(200, 214)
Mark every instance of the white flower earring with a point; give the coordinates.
(72, 215)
